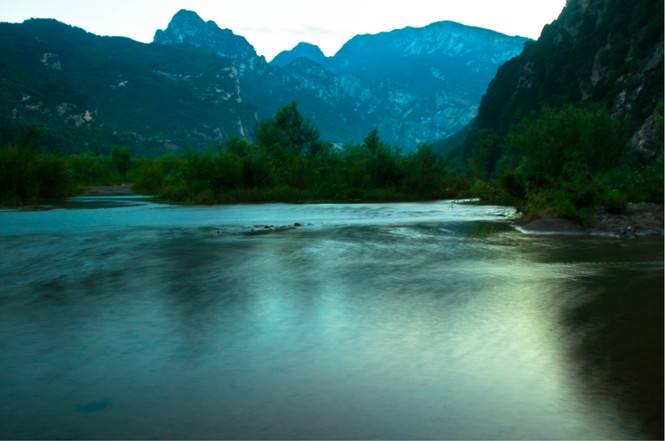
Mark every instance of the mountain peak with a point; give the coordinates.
(304, 46)
(183, 24)
(301, 50)
(187, 27)
(447, 38)
(185, 15)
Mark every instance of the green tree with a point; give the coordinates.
(571, 144)
(485, 149)
(372, 141)
(121, 158)
(237, 145)
(27, 176)
(425, 172)
(568, 159)
(288, 133)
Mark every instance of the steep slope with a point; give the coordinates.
(429, 80)
(268, 87)
(187, 28)
(92, 92)
(414, 84)
(198, 83)
(607, 51)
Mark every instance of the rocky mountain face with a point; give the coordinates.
(198, 82)
(264, 86)
(414, 84)
(427, 81)
(187, 28)
(607, 51)
(90, 92)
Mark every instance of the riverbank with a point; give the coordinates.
(109, 190)
(638, 220)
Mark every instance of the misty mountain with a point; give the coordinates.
(414, 84)
(198, 82)
(89, 92)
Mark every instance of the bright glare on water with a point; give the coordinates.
(123, 318)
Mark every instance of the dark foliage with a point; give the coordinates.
(556, 130)
(288, 162)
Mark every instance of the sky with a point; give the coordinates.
(275, 25)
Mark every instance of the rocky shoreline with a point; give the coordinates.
(639, 220)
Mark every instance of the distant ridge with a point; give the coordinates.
(301, 50)
(414, 84)
(199, 82)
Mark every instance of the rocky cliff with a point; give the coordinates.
(608, 51)
(414, 84)
(187, 28)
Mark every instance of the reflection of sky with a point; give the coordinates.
(495, 352)
(498, 348)
(135, 213)
(364, 330)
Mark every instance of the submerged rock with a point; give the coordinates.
(267, 229)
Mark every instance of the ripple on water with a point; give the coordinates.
(372, 321)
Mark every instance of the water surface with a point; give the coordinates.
(123, 318)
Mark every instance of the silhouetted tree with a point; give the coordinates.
(372, 141)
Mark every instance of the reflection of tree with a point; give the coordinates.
(195, 270)
(621, 350)
(211, 282)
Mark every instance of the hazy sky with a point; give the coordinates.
(274, 25)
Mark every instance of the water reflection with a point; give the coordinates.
(428, 326)
(619, 349)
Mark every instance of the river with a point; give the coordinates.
(126, 318)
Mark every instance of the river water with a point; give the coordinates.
(124, 318)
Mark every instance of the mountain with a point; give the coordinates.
(91, 92)
(301, 50)
(427, 82)
(187, 28)
(198, 82)
(267, 87)
(414, 84)
(597, 51)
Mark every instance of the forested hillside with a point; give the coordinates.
(199, 83)
(577, 119)
(88, 93)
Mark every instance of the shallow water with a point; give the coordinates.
(123, 318)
